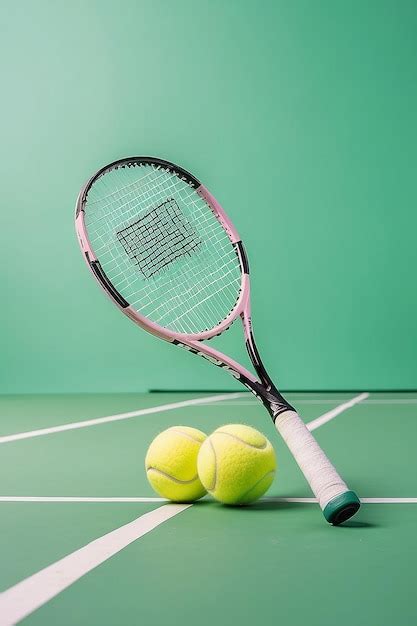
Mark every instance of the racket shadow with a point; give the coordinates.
(279, 507)
(255, 506)
(359, 524)
(263, 505)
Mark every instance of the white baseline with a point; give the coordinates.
(144, 499)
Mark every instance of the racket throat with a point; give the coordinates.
(275, 403)
(273, 400)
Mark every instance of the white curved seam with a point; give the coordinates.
(184, 434)
(272, 472)
(213, 488)
(173, 478)
(250, 445)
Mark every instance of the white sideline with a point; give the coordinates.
(110, 500)
(363, 500)
(120, 416)
(326, 417)
(298, 401)
(389, 500)
(30, 594)
(53, 499)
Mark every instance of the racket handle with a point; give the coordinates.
(336, 500)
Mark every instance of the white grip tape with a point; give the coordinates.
(322, 477)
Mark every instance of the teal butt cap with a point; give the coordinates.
(342, 508)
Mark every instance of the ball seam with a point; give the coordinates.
(173, 478)
(272, 472)
(250, 445)
(213, 487)
(181, 432)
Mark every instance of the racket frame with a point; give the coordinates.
(268, 393)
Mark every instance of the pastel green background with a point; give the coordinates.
(300, 116)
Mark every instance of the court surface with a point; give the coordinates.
(84, 540)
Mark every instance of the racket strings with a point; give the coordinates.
(161, 302)
(122, 200)
(162, 248)
(115, 193)
(199, 274)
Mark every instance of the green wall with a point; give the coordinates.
(300, 116)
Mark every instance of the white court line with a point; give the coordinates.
(326, 417)
(120, 416)
(393, 401)
(30, 594)
(121, 499)
(297, 401)
(78, 499)
(389, 500)
(363, 500)
(255, 402)
(169, 407)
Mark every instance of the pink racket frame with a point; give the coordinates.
(188, 341)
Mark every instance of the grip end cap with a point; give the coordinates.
(342, 508)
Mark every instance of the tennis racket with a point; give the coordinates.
(164, 250)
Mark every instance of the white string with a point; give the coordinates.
(186, 288)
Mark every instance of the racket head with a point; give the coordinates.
(163, 249)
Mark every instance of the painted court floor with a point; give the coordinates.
(84, 540)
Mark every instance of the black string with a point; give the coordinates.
(158, 238)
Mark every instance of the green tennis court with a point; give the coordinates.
(212, 150)
(66, 484)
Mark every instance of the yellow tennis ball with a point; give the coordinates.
(171, 464)
(236, 464)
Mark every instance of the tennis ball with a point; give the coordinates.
(171, 464)
(236, 464)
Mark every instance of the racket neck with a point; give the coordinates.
(273, 399)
